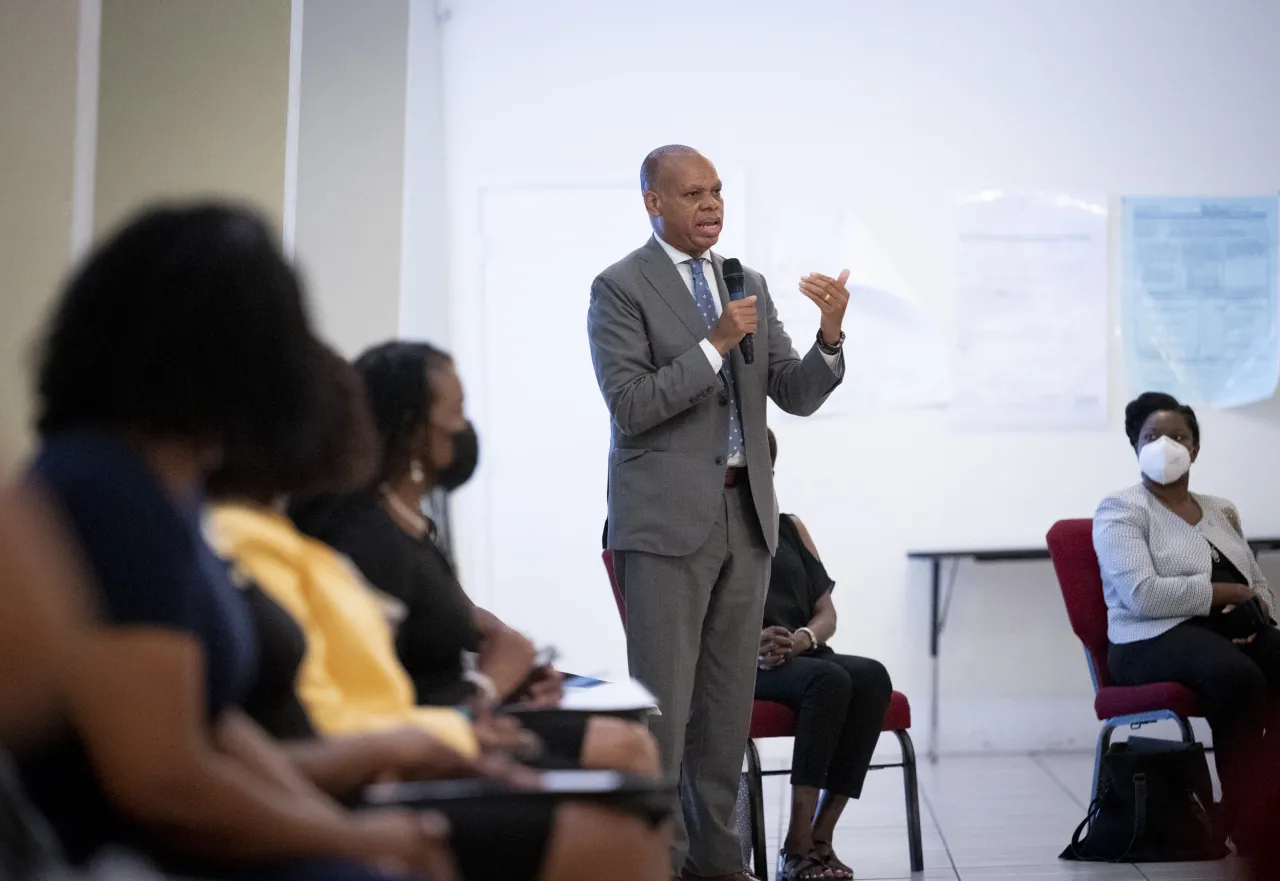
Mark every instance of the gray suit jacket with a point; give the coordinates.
(669, 410)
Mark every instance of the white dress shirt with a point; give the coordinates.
(681, 260)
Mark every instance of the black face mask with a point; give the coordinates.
(466, 456)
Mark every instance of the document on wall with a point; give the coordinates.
(1200, 298)
(895, 353)
(1030, 284)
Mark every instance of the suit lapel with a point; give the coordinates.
(660, 272)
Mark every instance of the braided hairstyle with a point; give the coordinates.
(398, 385)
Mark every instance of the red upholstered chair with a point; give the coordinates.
(1071, 547)
(769, 719)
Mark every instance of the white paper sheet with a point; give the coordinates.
(1200, 298)
(625, 696)
(1030, 282)
(895, 353)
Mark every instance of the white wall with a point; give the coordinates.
(890, 108)
(192, 103)
(424, 266)
(39, 71)
(350, 165)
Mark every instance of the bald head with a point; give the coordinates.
(651, 168)
(682, 195)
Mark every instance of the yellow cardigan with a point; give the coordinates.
(350, 679)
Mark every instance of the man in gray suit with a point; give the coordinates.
(693, 519)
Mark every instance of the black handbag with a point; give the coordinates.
(1153, 805)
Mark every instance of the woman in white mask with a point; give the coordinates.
(1186, 601)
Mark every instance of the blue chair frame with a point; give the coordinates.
(1135, 721)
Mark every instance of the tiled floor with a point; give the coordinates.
(984, 818)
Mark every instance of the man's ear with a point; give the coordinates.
(653, 203)
(1195, 452)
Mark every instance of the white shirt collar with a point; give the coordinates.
(677, 256)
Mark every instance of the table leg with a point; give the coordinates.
(935, 609)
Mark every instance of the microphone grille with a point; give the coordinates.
(733, 267)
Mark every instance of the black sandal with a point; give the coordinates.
(827, 854)
(793, 867)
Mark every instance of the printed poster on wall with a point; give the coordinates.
(1029, 276)
(1200, 298)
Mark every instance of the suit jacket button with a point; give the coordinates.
(724, 400)
(719, 460)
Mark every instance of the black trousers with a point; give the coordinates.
(1238, 687)
(840, 702)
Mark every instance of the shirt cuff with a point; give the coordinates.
(835, 362)
(713, 356)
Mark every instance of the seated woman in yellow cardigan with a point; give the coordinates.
(350, 679)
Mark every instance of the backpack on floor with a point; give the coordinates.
(1153, 805)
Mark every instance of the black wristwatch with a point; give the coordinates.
(830, 350)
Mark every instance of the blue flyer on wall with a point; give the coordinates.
(1201, 307)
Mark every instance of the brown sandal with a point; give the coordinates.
(827, 854)
(793, 867)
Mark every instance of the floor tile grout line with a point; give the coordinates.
(1039, 761)
(937, 824)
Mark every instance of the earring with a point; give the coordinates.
(416, 473)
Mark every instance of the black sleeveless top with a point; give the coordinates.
(796, 582)
(273, 701)
(437, 626)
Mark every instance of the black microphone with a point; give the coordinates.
(737, 282)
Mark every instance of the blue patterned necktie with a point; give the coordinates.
(707, 306)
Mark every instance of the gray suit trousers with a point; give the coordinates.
(693, 636)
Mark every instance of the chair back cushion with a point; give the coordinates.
(607, 557)
(1071, 547)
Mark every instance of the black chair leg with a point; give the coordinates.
(911, 786)
(755, 790)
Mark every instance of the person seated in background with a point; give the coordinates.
(426, 441)
(1186, 600)
(182, 334)
(346, 671)
(840, 700)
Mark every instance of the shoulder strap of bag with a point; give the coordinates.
(1077, 837)
(1139, 821)
(1139, 813)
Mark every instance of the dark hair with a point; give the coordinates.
(397, 382)
(333, 450)
(186, 323)
(1139, 410)
(651, 168)
(773, 447)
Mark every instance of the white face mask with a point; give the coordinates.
(1164, 460)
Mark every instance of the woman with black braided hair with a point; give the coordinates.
(426, 442)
